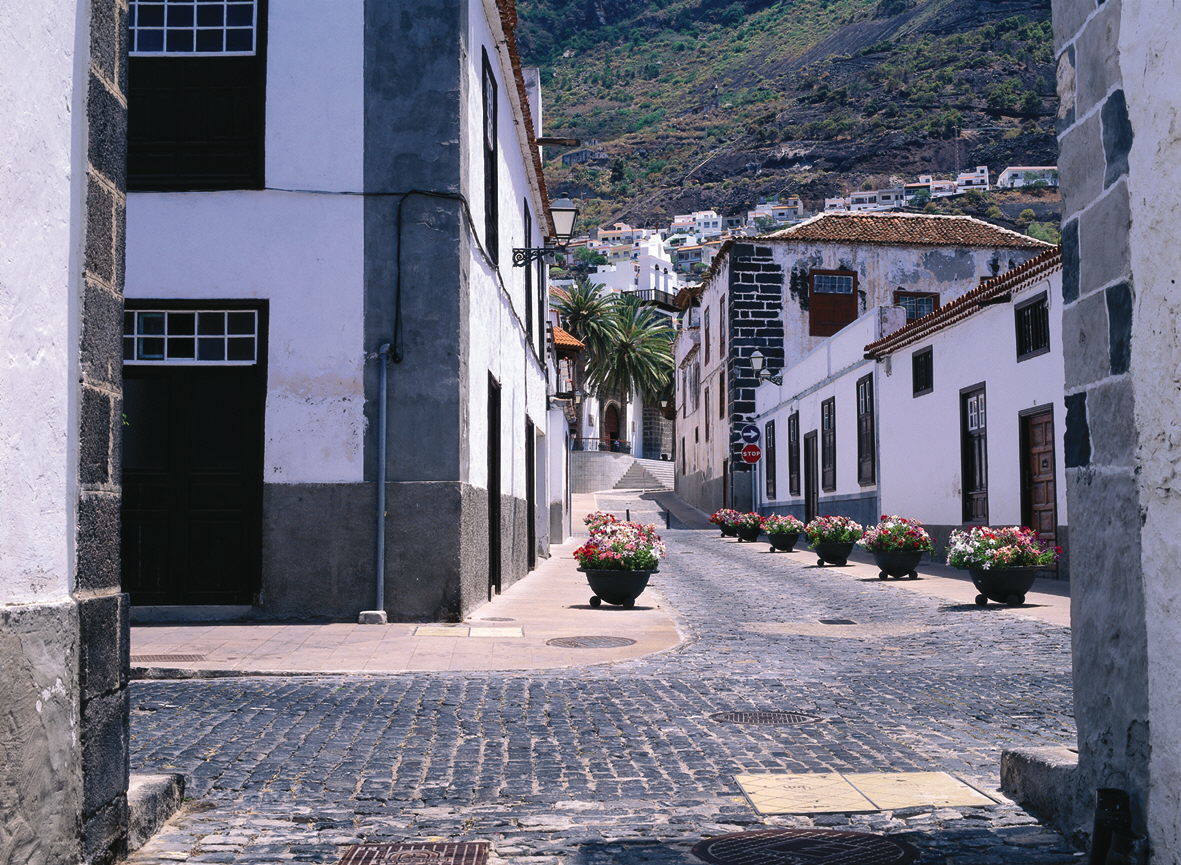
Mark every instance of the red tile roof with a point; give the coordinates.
(564, 339)
(907, 229)
(1019, 277)
(508, 21)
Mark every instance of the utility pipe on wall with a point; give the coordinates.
(383, 361)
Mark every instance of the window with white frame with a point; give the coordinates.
(192, 27)
(188, 336)
(832, 283)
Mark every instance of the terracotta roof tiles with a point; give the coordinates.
(564, 339)
(907, 229)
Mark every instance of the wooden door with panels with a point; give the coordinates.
(1039, 492)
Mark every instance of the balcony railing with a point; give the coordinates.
(590, 443)
(656, 296)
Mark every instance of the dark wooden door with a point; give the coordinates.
(493, 486)
(530, 494)
(611, 425)
(974, 451)
(1039, 494)
(811, 472)
(192, 484)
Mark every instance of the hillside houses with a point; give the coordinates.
(784, 294)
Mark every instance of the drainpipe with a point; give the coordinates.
(377, 616)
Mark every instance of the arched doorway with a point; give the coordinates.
(611, 427)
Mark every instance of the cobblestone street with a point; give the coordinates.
(621, 763)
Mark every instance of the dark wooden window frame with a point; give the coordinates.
(965, 434)
(527, 219)
(722, 393)
(1042, 300)
(769, 459)
(251, 173)
(706, 413)
(828, 445)
(814, 327)
(866, 433)
(899, 294)
(793, 453)
(705, 333)
(929, 386)
(489, 110)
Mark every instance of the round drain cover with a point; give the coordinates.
(590, 642)
(803, 847)
(767, 718)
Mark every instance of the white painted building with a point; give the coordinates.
(300, 258)
(1017, 176)
(975, 178)
(954, 419)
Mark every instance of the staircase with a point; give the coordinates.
(647, 475)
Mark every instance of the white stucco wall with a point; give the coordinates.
(315, 105)
(304, 254)
(496, 338)
(919, 437)
(829, 371)
(42, 175)
(1149, 43)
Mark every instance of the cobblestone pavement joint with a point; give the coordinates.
(621, 763)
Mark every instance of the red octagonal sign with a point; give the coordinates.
(751, 453)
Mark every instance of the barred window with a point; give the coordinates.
(158, 27)
(1033, 328)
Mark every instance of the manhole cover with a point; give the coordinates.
(161, 658)
(416, 853)
(803, 847)
(590, 642)
(837, 622)
(768, 718)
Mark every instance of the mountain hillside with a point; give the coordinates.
(716, 103)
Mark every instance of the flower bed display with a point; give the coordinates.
(783, 530)
(833, 537)
(724, 520)
(618, 558)
(1003, 562)
(897, 544)
(749, 526)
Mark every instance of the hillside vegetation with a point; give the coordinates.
(719, 102)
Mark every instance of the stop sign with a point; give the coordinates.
(751, 454)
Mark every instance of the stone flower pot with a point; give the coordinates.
(897, 563)
(783, 542)
(1003, 585)
(749, 534)
(620, 588)
(833, 552)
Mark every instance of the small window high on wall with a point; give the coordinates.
(197, 78)
(832, 301)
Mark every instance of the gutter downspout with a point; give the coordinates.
(377, 616)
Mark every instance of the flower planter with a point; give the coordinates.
(620, 588)
(1003, 585)
(897, 563)
(833, 552)
(783, 542)
(729, 531)
(749, 534)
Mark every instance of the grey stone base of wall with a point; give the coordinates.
(319, 550)
(593, 471)
(557, 523)
(1045, 782)
(151, 800)
(703, 493)
(864, 509)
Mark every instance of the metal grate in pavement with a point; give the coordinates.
(600, 642)
(766, 718)
(416, 853)
(812, 846)
(837, 622)
(162, 658)
(497, 619)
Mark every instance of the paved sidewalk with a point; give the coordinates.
(509, 633)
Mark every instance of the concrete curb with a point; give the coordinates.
(151, 800)
(1045, 782)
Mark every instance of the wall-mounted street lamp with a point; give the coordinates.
(563, 212)
(758, 365)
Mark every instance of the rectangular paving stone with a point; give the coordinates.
(811, 793)
(890, 791)
(439, 631)
(496, 632)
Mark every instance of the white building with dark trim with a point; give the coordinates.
(325, 197)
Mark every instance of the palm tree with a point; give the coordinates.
(638, 360)
(588, 313)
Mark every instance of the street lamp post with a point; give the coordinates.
(563, 213)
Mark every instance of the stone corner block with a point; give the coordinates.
(1046, 783)
(151, 800)
(372, 617)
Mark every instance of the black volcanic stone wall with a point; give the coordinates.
(102, 607)
(754, 321)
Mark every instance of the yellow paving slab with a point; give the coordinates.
(496, 632)
(439, 631)
(810, 793)
(892, 790)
